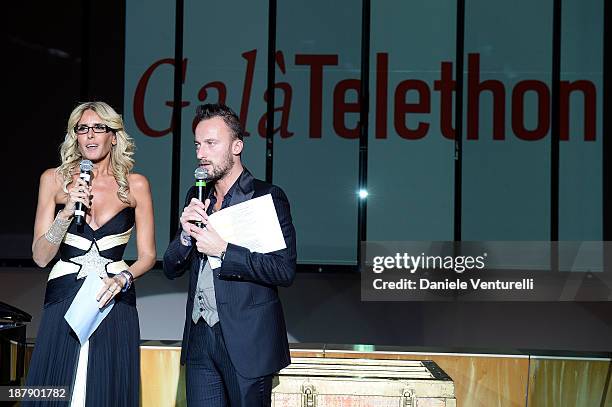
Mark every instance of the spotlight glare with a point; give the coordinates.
(363, 194)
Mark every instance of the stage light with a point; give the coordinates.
(363, 194)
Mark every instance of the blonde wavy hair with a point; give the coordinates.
(121, 160)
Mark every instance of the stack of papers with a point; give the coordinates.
(252, 224)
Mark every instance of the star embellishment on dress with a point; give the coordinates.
(91, 262)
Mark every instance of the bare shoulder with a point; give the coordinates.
(50, 177)
(139, 187)
(138, 182)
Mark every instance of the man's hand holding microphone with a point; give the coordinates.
(194, 222)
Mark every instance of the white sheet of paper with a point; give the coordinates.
(84, 316)
(252, 224)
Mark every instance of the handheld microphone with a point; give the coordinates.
(79, 213)
(200, 175)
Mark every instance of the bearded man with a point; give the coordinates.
(235, 336)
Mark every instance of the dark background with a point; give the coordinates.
(56, 55)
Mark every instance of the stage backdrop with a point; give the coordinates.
(506, 113)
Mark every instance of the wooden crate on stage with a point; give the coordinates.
(326, 382)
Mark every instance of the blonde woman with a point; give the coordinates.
(105, 370)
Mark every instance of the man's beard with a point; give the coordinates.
(219, 171)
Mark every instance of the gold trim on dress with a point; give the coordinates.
(62, 268)
(110, 241)
(77, 241)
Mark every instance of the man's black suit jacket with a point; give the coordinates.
(250, 312)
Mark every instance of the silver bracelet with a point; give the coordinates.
(128, 280)
(57, 231)
(185, 238)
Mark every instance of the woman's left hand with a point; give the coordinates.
(112, 287)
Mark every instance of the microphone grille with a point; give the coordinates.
(86, 166)
(200, 173)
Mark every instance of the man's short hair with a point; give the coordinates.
(231, 119)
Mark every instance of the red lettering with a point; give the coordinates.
(475, 87)
(251, 57)
(446, 86)
(342, 107)
(216, 85)
(316, 62)
(382, 86)
(139, 99)
(518, 111)
(346, 107)
(284, 110)
(402, 108)
(203, 94)
(590, 108)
